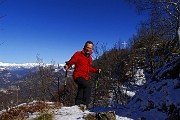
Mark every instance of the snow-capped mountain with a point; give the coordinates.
(12, 66)
(16, 66)
(11, 72)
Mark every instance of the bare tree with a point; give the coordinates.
(169, 9)
(113, 64)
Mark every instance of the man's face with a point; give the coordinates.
(88, 48)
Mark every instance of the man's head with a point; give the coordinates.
(88, 47)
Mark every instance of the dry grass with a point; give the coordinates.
(22, 112)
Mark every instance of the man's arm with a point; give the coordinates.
(71, 61)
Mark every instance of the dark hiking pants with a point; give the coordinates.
(84, 91)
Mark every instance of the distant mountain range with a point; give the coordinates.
(24, 80)
(18, 65)
(11, 72)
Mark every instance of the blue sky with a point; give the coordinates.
(55, 29)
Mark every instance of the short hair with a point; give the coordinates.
(88, 42)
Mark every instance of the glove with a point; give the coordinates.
(98, 71)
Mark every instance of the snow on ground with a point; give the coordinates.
(149, 101)
(71, 113)
(74, 113)
(152, 101)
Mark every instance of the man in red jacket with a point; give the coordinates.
(82, 61)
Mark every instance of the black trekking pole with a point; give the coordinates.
(96, 87)
(65, 83)
(59, 92)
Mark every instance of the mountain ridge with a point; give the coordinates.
(11, 72)
(24, 64)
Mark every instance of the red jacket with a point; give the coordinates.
(82, 65)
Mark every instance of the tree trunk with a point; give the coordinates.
(179, 34)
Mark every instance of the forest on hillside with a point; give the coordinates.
(156, 44)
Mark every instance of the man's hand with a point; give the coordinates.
(66, 67)
(98, 70)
